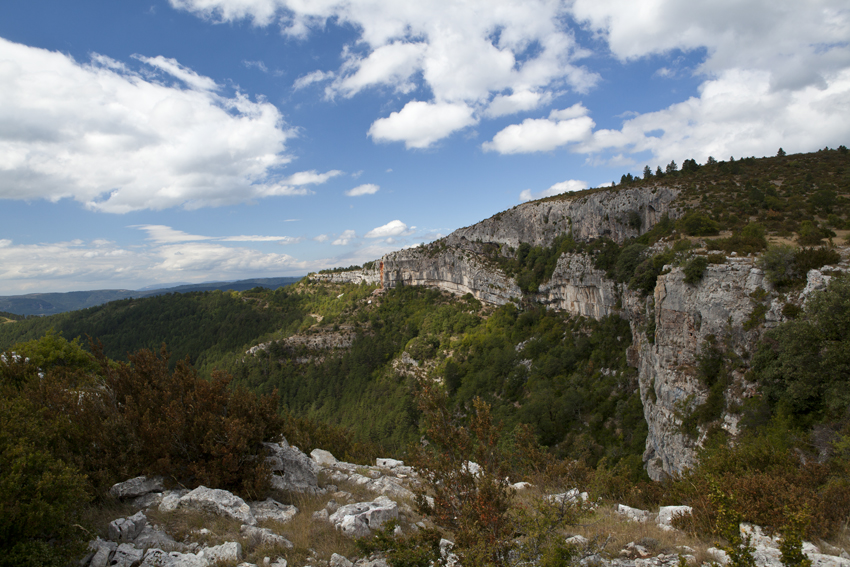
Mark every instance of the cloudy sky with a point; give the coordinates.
(158, 141)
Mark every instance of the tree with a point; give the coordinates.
(647, 173)
(780, 153)
(672, 167)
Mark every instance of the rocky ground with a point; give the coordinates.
(341, 501)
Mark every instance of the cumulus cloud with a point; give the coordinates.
(543, 134)
(392, 228)
(101, 264)
(736, 114)
(366, 189)
(420, 124)
(799, 44)
(466, 54)
(567, 186)
(321, 238)
(120, 141)
(345, 238)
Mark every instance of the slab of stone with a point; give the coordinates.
(127, 529)
(220, 503)
(292, 470)
(323, 458)
(667, 513)
(264, 536)
(126, 555)
(633, 514)
(230, 551)
(271, 509)
(389, 463)
(136, 487)
(358, 519)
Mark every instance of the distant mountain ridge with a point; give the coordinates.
(53, 303)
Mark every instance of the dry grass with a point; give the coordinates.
(612, 532)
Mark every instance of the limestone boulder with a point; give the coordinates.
(136, 487)
(357, 520)
(218, 502)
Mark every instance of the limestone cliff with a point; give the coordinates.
(683, 315)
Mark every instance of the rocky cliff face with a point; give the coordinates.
(454, 270)
(684, 315)
(605, 213)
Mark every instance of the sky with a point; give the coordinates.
(174, 141)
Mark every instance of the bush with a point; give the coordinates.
(779, 264)
(749, 240)
(216, 444)
(696, 223)
(694, 269)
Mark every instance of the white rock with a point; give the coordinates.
(520, 486)
(667, 513)
(127, 529)
(126, 555)
(138, 486)
(568, 497)
(338, 560)
(264, 536)
(271, 509)
(389, 463)
(634, 514)
(369, 515)
(323, 458)
(299, 470)
(171, 500)
(577, 540)
(103, 551)
(229, 551)
(220, 503)
(718, 555)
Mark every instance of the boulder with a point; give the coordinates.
(667, 513)
(358, 519)
(171, 500)
(220, 503)
(338, 560)
(271, 509)
(230, 551)
(264, 536)
(127, 529)
(102, 552)
(323, 458)
(126, 555)
(136, 487)
(156, 538)
(389, 463)
(633, 514)
(293, 470)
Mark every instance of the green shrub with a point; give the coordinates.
(749, 240)
(779, 264)
(694, 269)
(696, 223)
(814, 258)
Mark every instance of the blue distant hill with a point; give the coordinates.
(53, 303)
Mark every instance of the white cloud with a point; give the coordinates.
(521, 101)
(736, 114)
(118, 141)
(63, 266)
(259, 65)
(321, 238)
(567, 186)
(366, 189)
(165, 234)
(162, 234)
(392, 228)
(464, 53)
(310, 177)
(420, 124)
(345, 238)
(311, 78)
(543, 134)
(799, 44)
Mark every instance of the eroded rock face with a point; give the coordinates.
(685, 316)
(454, 270)
(579, 288)
(604, 213)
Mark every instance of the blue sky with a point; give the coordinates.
(147, 142)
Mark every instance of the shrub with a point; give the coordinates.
(779, 264)
(694, 269)
(696, 223)
(813, 258)
(749, 240)
(215, 444)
